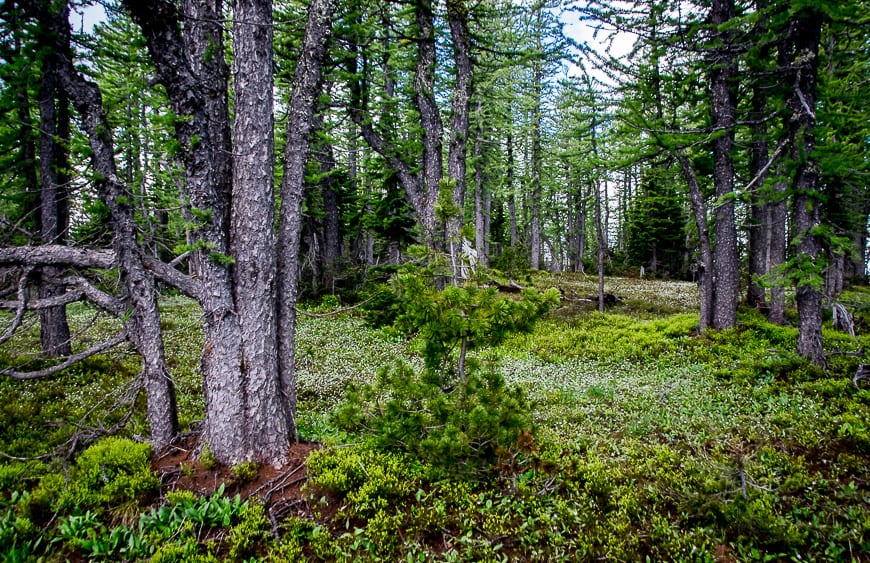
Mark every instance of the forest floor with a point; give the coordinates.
(650, 441)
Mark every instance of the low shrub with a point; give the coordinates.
(476, 426)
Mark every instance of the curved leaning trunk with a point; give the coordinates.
(146, 333)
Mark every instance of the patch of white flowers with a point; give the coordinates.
(333, 352)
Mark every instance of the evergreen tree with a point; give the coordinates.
(655, 229)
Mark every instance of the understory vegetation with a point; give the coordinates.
(468, 425)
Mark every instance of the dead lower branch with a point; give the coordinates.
(70, 360)
(57, 255)
(19, 310)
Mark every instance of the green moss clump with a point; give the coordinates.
(114, 473)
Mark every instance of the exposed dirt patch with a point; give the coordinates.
(279, 488)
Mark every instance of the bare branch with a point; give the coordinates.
(70, 360)
(19, 310)
(47, 303)
(167, 274)
(101, 299)
(767, 165)
(57, 255)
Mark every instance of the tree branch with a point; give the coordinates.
(167, 274)
(101, 347)
(114, 305)
(19, 311)
(57, 255)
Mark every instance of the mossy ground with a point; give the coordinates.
(652, 442)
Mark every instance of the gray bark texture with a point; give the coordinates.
(307, 80)
(457, 17)
(245, 417)
(144, 324)
(197, 91)
(252, 238)
(723, 104)
(430, 118)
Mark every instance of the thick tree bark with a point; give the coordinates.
(54, 212)
(144, 323)
(252, 242)
(805, 35)
(723, 105)
(307, 80)
(457, 18)
(195, 79)
(196, 88)
(430, 119)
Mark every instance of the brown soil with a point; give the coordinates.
(279, 488)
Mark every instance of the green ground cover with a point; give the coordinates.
(640, 440)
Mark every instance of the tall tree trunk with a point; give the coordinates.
(536, 165)
(195, 77)
(581, 229)
(54, 213)
(705, 268)
(602, 246)
(723, 109)
(776, 250)
(144, 323)
(805, 35)
(480, 197)
(252, 242)
(457, 18)
(512, 198)
(331, 244)
(759, 212)
(430, 118)
(306, 85)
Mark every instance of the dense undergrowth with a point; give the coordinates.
(621, 436)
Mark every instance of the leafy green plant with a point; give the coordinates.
(207, 457)
(114, 473)
(245, 471)
(463, 317)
